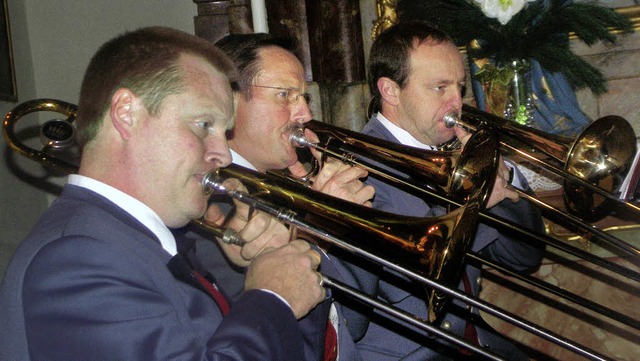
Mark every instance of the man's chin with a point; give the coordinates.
(197, 214)
(200, 204)
(290, 160)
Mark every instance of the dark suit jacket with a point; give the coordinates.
(383, 340)
(91, 282)
(231, 281)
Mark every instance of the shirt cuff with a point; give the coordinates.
(277, 295)
(515, 178)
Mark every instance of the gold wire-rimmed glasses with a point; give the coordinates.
(287, 96)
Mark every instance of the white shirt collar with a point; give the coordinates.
(240, 160)
(407, 139)
(402, 135)
(137, 209)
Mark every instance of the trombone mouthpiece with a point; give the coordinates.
(298, 140)
(450, 119)
(211, 182)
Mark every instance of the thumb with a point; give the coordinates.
(298, 170)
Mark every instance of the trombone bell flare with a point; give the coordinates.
(593, 165)
(602, 154)
(433, 247)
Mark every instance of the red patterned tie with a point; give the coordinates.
(330, 343)
(213, 292)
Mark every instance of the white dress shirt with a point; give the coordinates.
(137, 209)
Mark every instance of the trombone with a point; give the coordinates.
(332, 219)
(409, 174)
(433, 249)
(593, 164)
(412, 169)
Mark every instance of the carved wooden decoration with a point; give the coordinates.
(386, 12)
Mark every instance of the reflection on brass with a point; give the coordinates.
(599, 156)
(561, 233)
(386, 12)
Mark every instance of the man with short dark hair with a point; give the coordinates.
(101, 276)
(272, 102)
(416, 77)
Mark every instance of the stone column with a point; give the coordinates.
(329, 39)
(338, 61)
(215, 19)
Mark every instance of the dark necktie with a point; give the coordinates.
(182, 270)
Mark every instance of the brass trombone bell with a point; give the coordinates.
(593, 165)
(433, 247)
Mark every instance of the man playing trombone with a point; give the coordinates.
(416, 77)
(101, 276)
(272, 103)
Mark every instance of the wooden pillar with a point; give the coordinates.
(216, 19)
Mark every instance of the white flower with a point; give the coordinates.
(503, 10)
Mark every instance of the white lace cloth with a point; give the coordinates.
(538, 178)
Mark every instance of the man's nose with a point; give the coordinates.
(218, 153)
(455, 100)
(301, 113)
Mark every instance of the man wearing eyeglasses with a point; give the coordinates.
(272, 102)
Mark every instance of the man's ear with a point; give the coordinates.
(122, 111)
(389, 90)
